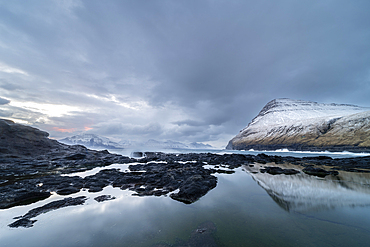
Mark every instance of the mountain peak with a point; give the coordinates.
(297, 124)
(98, 142)
(282, 111)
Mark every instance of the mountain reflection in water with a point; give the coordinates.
(303, 193)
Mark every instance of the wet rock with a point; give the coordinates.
(194, 188)
(318, 171)
(67, 191)
(137, 154)
(103, 198)
(95, 189)
(22, 223)
(78, 156)
(274, 170)
(25, 220)
(10, 198)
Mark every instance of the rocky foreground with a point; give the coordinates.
(32, 166)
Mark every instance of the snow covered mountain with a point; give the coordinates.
(305, 125)
(165, 144)
(98, 142)
(91, 141)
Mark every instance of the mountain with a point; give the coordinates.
(99, 142)
(91, 141)
(306, 125)
(174, 145)
(165, 144)
(199, 145)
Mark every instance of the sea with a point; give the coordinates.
(247, 208)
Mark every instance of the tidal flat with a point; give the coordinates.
(247, 207)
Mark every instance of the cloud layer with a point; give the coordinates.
(180, 70)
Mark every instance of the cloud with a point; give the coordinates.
(7, 69)
(129, 130)
(4, 101)
(181, 70)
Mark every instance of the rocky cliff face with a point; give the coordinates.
(21, 140)
(305, 125)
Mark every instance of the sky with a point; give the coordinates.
(189, 71)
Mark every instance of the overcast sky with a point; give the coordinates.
(176, 70)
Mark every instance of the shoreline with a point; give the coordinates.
(182, 176)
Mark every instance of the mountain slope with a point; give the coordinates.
(98, 142)
(305, 125)
(91, 141)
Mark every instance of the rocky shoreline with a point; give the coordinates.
(32, 167)
(184, 177)
(26, 181)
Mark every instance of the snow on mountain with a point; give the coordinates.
(287, 111)
(305, 125)
(165, 144)
(99, 142)
(199, 145)
(91, 141)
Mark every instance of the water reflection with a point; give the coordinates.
(279, 152)
(302, 192)
(242, 211)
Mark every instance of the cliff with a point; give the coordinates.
(305, 125)
(21, 140)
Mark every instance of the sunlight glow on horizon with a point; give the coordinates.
(51, 110)
(63, 130)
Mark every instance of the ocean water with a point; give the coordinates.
(279, 152)
(248, 208)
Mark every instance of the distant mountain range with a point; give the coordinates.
(306, 125)
(99, 142)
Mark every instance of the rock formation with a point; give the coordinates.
(305, 125)
(19, 140)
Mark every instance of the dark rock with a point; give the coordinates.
(137, 154)
(68, 191)
(277, 170)
(22, 223)
(194, 188)
(16, 197)
(95, 189)
(76, 157)
(25, 220)
(103, 198)
(318, 171)
(223, 171)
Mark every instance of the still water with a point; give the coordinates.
(248, 208)
(279, 152)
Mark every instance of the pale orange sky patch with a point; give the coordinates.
(64, 130)
(86, 128)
